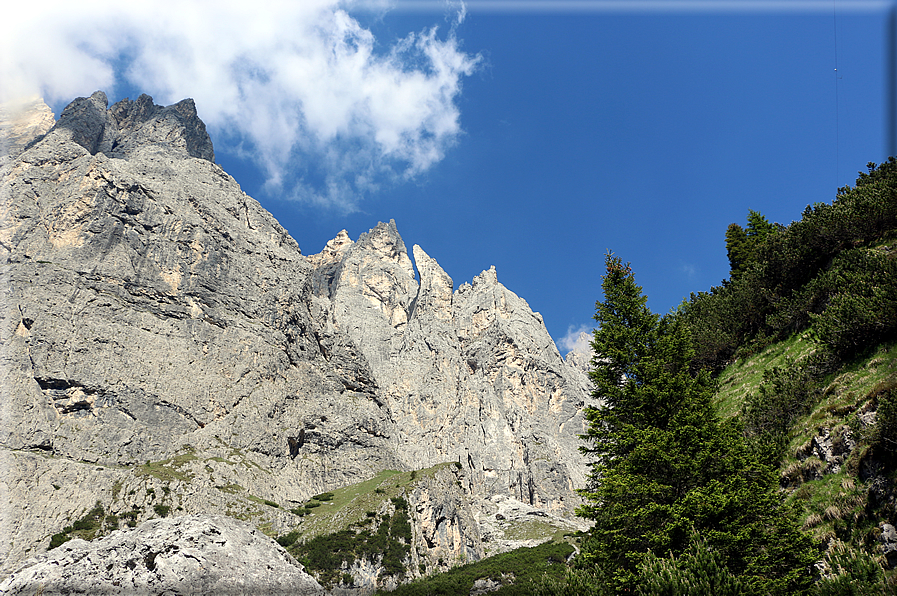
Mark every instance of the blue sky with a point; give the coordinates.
(561, 131)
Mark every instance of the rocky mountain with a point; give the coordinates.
(215, 554)
(168, 350)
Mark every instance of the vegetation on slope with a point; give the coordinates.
(512, 573)
(667, 472)
(800, 342)
(798, 414)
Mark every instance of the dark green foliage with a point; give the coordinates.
(741, 243)
(91, 521)
(312, 505)
(271, 503)
(162, 510)
(389, 545)
(574, 582)
(699, 571)
(300, 511)
(87, 527)
(59, 539)
(324, 555)
(786, 394)
(664, 466)
(774, 291)
(323, 497)
(288, 539)
(84, 524)
(528, 566)
(737, 249)
(861, 309)
(884, 435)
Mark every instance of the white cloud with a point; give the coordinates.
(328, 111)
(577, 340)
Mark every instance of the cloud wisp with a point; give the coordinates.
(328, 111)
(577, 339)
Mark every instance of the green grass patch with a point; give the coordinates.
(349, 505)
(525, 565)
(746, 374)
(534, 529)
(845, 392)
(168, 470)
(87, 528)
(231, 488)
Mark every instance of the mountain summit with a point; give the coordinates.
(167, 350)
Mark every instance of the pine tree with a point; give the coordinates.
(742, 242)
(736, 249)
(665, 468)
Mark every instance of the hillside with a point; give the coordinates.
(170, 357)
(801, 342)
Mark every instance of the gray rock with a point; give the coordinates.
(832, 447)
(888, 539)
(194, 554)
(165, 343)
(486, 585)
(476, 363)
(581, 356)
(151, 309)
(21, 123)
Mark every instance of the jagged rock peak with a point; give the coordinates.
(581, 354)
(340, 243)
(21, 122)
(435, 294)
(128, 125)
(489, 277)
(385, 241)
(195, 554)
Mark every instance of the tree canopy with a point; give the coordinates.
(666, 471)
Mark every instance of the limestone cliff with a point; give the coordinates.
(166, 345)
(469, 375)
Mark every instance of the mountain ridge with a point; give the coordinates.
(167, 344)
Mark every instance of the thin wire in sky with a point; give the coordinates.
(837, 107)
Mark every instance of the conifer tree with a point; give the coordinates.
(736, 249)
(665, 467)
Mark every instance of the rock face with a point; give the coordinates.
(165, 343)
(194, 554)
(476, 363)
(20, 123)
(581, 357)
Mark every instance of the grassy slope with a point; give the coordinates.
(834, 504)
(515, 570)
